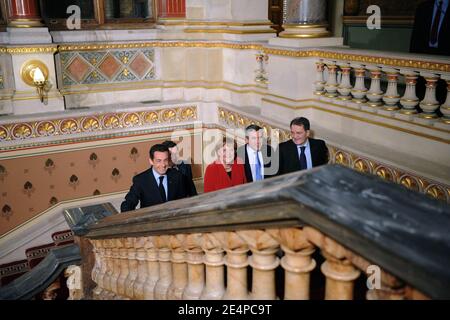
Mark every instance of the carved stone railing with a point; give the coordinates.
(331, 219)
(334, 84)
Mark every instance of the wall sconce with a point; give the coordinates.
(35, 73)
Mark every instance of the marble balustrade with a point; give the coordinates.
(194, 266)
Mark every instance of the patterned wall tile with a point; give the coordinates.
(107, 66)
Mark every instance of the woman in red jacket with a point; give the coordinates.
(227, 171)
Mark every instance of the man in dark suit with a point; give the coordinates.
(301, 152)
(184, 168)
(157, 184)
(431, 32)
(259, 157)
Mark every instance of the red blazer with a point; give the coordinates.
(216, 177)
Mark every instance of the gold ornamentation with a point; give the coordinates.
(410, 183)
(69, 126)
(169, 115)
(3, 133)
(342, 158)
(151, 117)
(46, 128)
(111, 121)
(22, 131)
(361, 166)
(28, 50)
(187, 114)
(90, 124)
(436, 192)
(384, 173)
(131, 120)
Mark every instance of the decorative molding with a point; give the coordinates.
(28, 50)
(94, 123)
(341, 156)
(396, 62)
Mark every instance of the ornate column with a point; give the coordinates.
(263, 262)
(374, 94)
(214, 262)
(297, 262)
(108, 244)
(170, 9)
(179, 268)
(429, 104)
(196, 268)
(165, 267)
(319, 84)
(331, 85)
(345, 86)
(391, 97)
(359, 90)
(132, 267)
(409, 101)
(305, 19)
(24, 13)
(141, 256)
(152, 268)
(445, 108)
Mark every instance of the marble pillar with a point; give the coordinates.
(24, 14)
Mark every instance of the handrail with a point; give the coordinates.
(404, 232)
(40, 277)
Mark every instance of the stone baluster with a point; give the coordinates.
(132, 267)
(340, 273)
(374, 94)
(409, 101)
(101, 276)
(297, 262)
(380, 284)
(196, 268)
(429, 104)
(391, 97)
(236, 261)
(96, 292)
(263, 262)
(359, 90)
(345, 86)
(116, 266)
(179, 268)
(141, 257)
(123, 255)
(445, 108)
(331, 85)
(214, 264)
(165, 267)
(152, 268)
(108, 244)
(319, 84)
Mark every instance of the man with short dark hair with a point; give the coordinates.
(184, 168)
(155, 185)
(259, 157)
(301, 152)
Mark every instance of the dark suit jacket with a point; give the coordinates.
(186, 170)
(289, 159)
(422, 28)
(144, 190)
(267, 152)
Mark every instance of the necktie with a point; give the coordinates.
(435, 27)
(303, 159)
(162, 191)
(257, 168)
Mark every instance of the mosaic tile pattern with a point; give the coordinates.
(107, 66)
